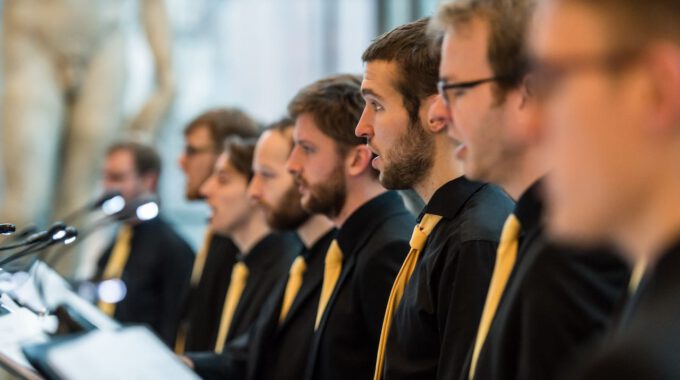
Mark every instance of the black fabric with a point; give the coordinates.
(203, 302)
(156, 274)
(268, 262)
(280, 350)
(436, 321)
(273, 350)
(647, 346)
(557, 300)
(374, 243)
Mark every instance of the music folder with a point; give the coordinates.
(131, 353)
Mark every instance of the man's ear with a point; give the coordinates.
(431, 125)
(664, 81)
(526, 112)
(150, 182)
(358, 160)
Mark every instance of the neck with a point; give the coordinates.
(250, 232)
(444, 168)
(313, 229)
(527, 168)
(656, 223)
(359, 191)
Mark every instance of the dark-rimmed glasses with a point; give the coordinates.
(446, 89)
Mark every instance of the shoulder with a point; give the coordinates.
(649, 352)
(484, 214)
(170, 239)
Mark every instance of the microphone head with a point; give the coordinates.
(7, 228)
(113, 205)
(54, 233)
(142, 209)
(108, 195)
(70, 235)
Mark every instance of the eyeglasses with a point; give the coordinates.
(191, 151)
(547, 77)
(448, 90)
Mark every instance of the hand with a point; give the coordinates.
(185, 359)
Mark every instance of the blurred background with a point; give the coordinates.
(253, 54)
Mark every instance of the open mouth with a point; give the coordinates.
(377, 160)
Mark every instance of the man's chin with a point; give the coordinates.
(193, 196)
(567, 227)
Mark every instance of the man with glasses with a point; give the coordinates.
(544, 300)
(608, 76)
(204, 138)
(428, 329)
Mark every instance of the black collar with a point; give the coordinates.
(320, 246)
(668, 263)
(450, 198)
(529, 208)
(269, 249)
(364, 220)
(148, 225)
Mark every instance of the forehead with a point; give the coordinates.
(563, 29)
(199, 134)
(380, 77)
(464, 50)
(120, 159)
(272, 148)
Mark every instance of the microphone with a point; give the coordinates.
(143, 208)
(57, 229)
(109, 202)
(7, 228)
(58, 233)
(24, 232)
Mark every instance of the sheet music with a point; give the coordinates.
(22, 327)
(133, 353)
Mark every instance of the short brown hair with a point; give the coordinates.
(224, 122)
(336, 105)
(508, 21)
(409, 46)
(241, 152)
(637, 22)
(146, 158)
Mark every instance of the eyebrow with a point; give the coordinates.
(369, 92)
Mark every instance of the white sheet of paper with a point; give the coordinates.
(133, 353)
(57, 291)
(21, 327)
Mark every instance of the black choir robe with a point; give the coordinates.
(436, 321)
(374, 241)
(556, 302)
(203, 302)
(647, 343)
(156, 273)
(268, 261)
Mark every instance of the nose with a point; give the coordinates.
(364, 127)
(439, 112)
(255, 188)
(182, 162)
(207, 187)
(293, 164)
